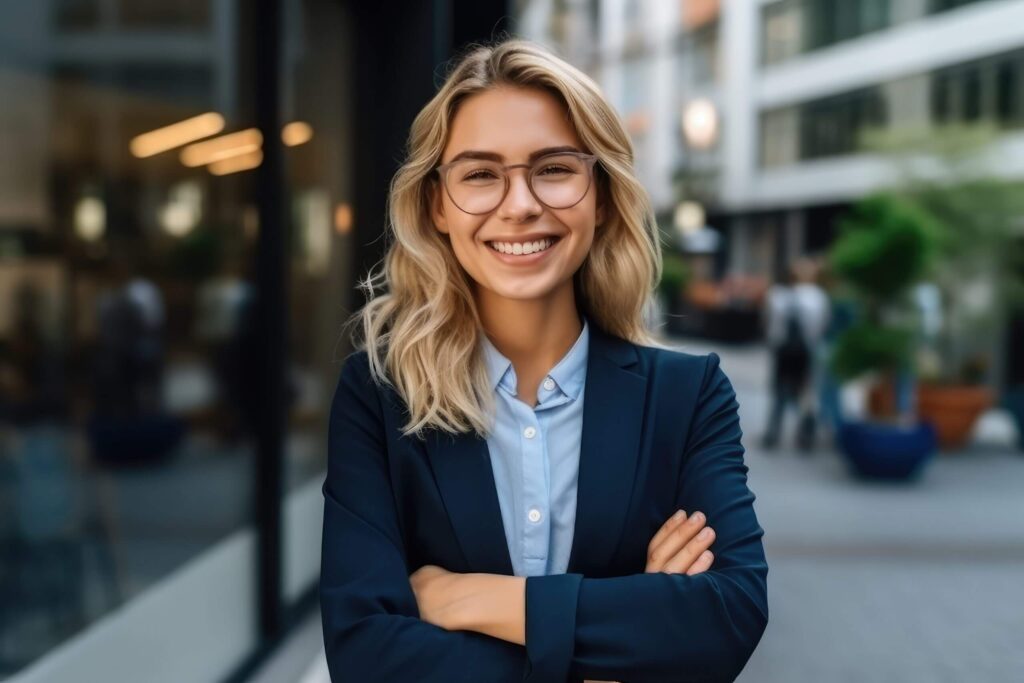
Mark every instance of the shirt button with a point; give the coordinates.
(529, 432)
(534, 515)
(549, 384)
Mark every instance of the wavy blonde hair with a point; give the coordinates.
(421, 328)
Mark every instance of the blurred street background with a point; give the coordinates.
(189, 190)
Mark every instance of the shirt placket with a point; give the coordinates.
(536, 500)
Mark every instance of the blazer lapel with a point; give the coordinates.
(462, 467)
(612, 417)
(613, 411)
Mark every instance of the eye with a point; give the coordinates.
(555, 170)
(479, 175)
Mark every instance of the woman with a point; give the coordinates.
(480, 523)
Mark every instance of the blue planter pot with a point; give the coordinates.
(880, 451)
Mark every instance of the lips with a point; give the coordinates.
(510, 247)
(523, 258)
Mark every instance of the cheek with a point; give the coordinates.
(463, 241)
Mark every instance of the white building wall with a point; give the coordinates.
(917, 47)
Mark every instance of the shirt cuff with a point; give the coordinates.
(550, 626)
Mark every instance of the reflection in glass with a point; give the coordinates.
(126, 317)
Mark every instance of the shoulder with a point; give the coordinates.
(355, 378)
(682, 368)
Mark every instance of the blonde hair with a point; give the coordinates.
(422, 331)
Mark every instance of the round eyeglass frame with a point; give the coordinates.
(589, 159)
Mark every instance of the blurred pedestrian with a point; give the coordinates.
(841, 315)
(797, 315)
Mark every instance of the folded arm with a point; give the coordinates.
(659, 627)
(371, 624)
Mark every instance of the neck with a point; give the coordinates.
(534, 334)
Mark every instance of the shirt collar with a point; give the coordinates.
(569, 373)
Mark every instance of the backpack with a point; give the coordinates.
(793, 344)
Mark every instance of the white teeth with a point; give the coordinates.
(522, 248)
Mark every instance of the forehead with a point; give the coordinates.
(511, 121)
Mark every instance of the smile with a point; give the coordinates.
(523, 249)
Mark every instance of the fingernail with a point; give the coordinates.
(679, 515)
(698, 517)
(705, 533)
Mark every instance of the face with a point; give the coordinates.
(513, 123)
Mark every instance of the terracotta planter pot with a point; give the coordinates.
(953, 409)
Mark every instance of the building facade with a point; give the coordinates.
(791, 85)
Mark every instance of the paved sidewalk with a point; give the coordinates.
(885, 582)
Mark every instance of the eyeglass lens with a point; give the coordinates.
(478, 186)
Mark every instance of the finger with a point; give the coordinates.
(677, 538)
(666, 528)
(682, 560)
(675, 543)
(668, 542)
(702, 564)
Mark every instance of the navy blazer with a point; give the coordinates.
(660, 432)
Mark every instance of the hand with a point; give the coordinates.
(676, 548)
(438, 596)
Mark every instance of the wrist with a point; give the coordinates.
(471, 592)
(495, 605)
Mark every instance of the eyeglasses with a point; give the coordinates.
(559, 181)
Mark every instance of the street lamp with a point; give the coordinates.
(699, 124)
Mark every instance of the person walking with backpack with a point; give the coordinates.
(796, 317)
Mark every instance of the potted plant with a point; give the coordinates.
(979, 269)
(885, 247)
(674, 278)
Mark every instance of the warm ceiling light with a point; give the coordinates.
(218, 149)
(296, 133)
(242, 162)
(343, 218)
(90, 218)
(176, 134)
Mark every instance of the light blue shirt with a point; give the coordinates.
(535, 454)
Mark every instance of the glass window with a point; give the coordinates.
(779, 137)
(126, 313)
(191, 14)
(1010, 90)
(76, 14)
(986, 89)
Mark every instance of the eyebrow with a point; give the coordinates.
(494, 156)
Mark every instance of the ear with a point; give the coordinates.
(437, 207)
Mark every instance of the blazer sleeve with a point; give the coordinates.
(372, 630)
(669, 628)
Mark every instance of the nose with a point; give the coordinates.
(519, 204)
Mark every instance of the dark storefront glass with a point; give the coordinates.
(127, 381)
(316, 106)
